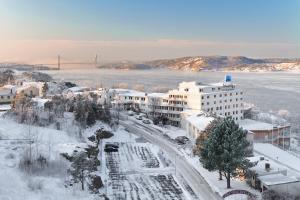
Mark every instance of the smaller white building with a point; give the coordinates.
(7, 94)
(195, 122)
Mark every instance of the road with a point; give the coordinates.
(190, 174)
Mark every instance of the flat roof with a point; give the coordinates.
(200, 121)
(277, 179)
(251, 125)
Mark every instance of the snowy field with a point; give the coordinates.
(19, 185)
(140, 171)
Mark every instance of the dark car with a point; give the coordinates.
(181, 140)
(111, 149)
(111, 146)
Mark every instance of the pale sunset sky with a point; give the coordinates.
(36, 31)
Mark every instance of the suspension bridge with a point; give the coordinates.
(59, 64)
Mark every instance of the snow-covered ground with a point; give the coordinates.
(139, 170)
(185, 150)
(19, 185)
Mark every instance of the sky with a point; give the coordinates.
(36, 31)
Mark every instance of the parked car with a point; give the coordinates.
(111, 149)
(181, 140)
(139, 117)
(130, 113)
(146, 121)
(111, 146)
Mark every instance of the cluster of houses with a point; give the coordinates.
(192, 106)
(9, 92)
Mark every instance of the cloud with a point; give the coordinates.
(41, 51)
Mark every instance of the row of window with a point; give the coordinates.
(220, 108)
(234, 105)
(177, 96)
(213, 89)
(135, 98)
(168, 108)
(220, 95)
(178, 102)
(2, 97)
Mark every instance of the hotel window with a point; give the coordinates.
(241, 93)
(213, 89)
(230, 100)
(202, 104)
(207, 103)
(200, 90)
(208, 96)
(8, 97)
(215, 96)
(230, 94)
(215, 102)
(220, 101)
(237, 93)
(225, 94)
(202, 97)
(220, 95)
(241, 99)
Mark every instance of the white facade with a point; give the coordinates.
(220, 99)
(7, 93)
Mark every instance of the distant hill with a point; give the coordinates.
(212, 63)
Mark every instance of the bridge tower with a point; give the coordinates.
(96, 60)
(58, 62)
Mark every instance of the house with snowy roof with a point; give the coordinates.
(7, 94)
(266, 174)
(268, 133)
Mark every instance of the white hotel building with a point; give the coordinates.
(220, 99)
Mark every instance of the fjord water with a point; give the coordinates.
(271, 92)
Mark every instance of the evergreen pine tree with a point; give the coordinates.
(225, 149)
(91, 118)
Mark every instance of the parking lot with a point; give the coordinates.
(135, 171)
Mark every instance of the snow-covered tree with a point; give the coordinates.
(80, 168)
(45, 88)
(225, 149)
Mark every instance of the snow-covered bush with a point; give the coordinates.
(35, 184)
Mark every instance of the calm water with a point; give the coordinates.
(271, 92)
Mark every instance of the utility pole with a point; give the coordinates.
(58, 62)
